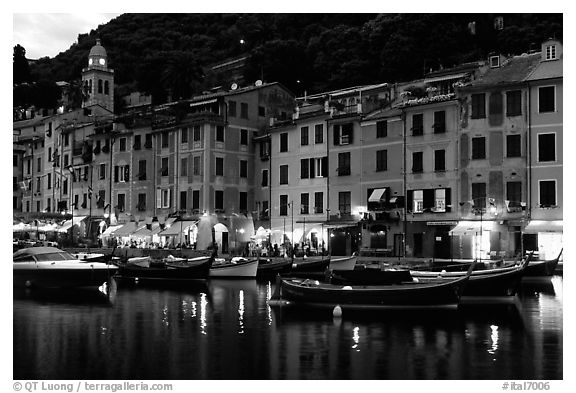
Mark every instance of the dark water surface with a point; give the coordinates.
(225, 330)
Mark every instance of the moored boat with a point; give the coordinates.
(543, 268)
(311, 264)
(345, 263)
(52, 268)
(269, 268)
(166, 271)
(236, 267)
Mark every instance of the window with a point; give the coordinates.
(343, 134)
(439, 160)
(122, 144)
(196, 165)
(514, 194)
(164, 139)
(304, 168)
(14, 160)
(65, 160)
(513, 103)
(100, 86)
(261, 111)
(66, 139)
(321, 166)
(264, 178)
(344, 198)
(183, 200)
(382, 129)
(495, 105)
(344, 164)
(49, 154)
(184, 166)
(164, 166)
(318, 202)
(65, 187)
(102, 172)
(418, 201)
(418, 124)
(381, 160)
(547, 99)
(38, 206)
(243, 110)
(546, 147)
(243, 168)
(165, 198)
(219, 166)
(439, 122)
(136, 142)
(243, 201)
(196, 133)
(283, 142)
(141, 206)
(494, 61)
(232, 108)
(304, 136)
(479, 148)
(479, 195)
(417, 162)
(243, 137)
(283, 205)
(440, 200)
(219, 133)
(196, 199)
(184, 134)
(148, 142)
(513, 146)
(551, 52)
(319, 133)
(478, 106)
(547, 193)
(219, 199)
(283, 174)
(121, 173)
(304, 203)
(49, 181)
(121, 199)
(39, 166)
(141, 175)
(106, 87)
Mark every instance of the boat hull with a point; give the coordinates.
(242, 269)
(179, 271)
(66, 277)
(269, 269)
(311, 264)
(347, 263)
(407, 295)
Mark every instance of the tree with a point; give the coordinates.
(21, 69)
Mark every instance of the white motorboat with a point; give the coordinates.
(50, 267)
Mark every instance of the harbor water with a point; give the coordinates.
(224, 329)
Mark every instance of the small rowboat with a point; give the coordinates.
(310, 264)
(346, 263)
(270, 268)
(442, 293)
(194, 269)
(237, 267)
(543, 268)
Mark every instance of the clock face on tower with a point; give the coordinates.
(89, 61)
(102, 61)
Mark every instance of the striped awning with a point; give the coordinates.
(68, 224)
(472, 227)
(178, 227)
(377, 195)
(127, 229)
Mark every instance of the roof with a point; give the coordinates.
(515, 70)
(383, 114)
(98, 50)
(546, 70)
(30, 122)
(241, 90)
(345, 91)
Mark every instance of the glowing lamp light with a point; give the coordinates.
(241, 230)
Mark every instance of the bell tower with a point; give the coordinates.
(98, 79)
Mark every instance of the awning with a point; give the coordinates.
(178, 227)
(68, 224)
(377, 194)
(537, 226)
(445, 78)
(471, 227)
(127, 229)
(110, 230)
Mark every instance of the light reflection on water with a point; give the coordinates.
(227, 331)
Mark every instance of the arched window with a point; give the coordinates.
(106, 88)
(90, 87)
(99, 86)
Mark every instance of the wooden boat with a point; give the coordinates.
(369, 277)
(346, 263)
(543, 268)
(312, 293)
(192, 269)
(236, 267)
(503, 281)
(52, 268)
(269, 268)
(311, 264)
